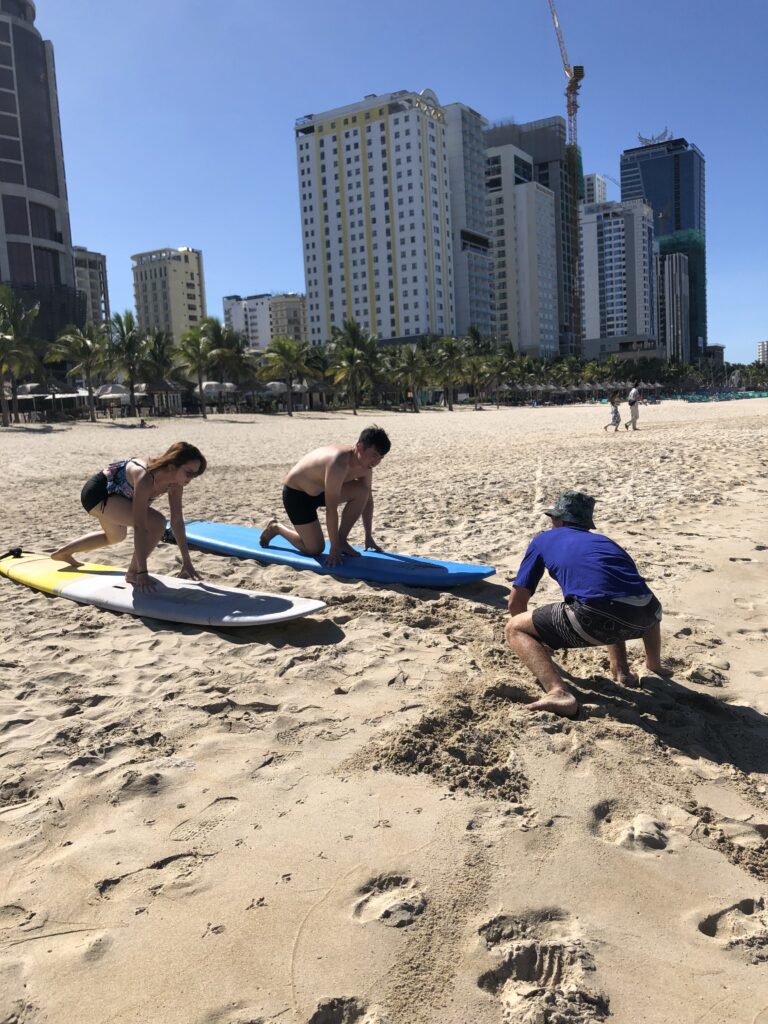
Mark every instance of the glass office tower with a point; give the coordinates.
(670, 176)
(36, 257)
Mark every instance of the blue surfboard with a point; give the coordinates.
(375, 567)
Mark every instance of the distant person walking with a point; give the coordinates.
(613, 401)
(633, 400)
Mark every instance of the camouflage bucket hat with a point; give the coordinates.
(573, 507)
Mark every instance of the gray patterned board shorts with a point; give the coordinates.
(575, 623)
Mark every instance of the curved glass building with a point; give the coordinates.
(36, 256)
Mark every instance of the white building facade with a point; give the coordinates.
(472, 263)
(762, 352)
(618, 281)
(522, 228)
(249, 316)
(595, 188)
(376, 219)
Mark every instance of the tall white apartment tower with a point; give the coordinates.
(762, 352)
(522, 226)
(618, 280)
(376, 218)
(169, 290)
(472, 263)
(595, 188)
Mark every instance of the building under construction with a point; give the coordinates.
(545, 142)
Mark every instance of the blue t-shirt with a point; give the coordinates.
(588, 566)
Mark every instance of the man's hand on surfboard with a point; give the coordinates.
(371, 545)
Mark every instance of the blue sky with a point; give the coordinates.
(178, 115)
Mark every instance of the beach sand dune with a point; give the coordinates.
(353, 818)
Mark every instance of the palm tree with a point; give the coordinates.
(476, 372)
(229, 350)
(287, 359)
(195, 357)
(320, 363)
(19, 354)
(354, 358)
(83, 348)
(129, 347)
(449, 366)
(412, 373)
(158, 360)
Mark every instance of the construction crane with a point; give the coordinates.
(574, 73)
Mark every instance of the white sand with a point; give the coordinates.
(400, 841)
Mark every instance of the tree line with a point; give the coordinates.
(353, 367)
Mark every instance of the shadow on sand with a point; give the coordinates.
(696, 724)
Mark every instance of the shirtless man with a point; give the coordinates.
(331, 476)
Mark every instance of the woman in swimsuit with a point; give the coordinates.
(121, 495)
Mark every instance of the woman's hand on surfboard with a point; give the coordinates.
(142, 582)
(188, 572)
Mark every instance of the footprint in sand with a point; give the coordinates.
(643, 834)
(171, 874)
(345, 1010)
(742, 926)
(746, 606)
(393, 899)
(206, 821)
(540, 970)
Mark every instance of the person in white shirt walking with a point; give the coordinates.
(633, 401)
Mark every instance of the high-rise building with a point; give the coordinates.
(288, 317)
(249, 316)
(618, 280)
(595, 188)
(672, 299)
(376, 218)
(544, 140)
(762, 352)
(91, 280)
(471, 255)
(169, 290)
(669, 176)
(35, 240)
(521, 221)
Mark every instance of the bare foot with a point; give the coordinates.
(660, 670)
(627, 679)
(559, 702)
(59, 556)
(347, 549)
(269, 531)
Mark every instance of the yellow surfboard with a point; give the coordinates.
(175, 600)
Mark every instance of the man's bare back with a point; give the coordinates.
(310, 472)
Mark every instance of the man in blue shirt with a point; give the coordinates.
(606, 602)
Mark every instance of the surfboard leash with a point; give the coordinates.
(12, 553)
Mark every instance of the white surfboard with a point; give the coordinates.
(174, 600)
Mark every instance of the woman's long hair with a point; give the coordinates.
(177, 455)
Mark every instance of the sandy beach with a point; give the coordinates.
(352, 817)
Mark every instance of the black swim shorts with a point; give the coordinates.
(94, 492)
(575, 623)
(302, 507)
